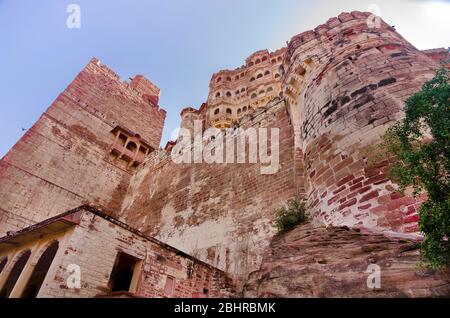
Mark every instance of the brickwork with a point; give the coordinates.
(94, 232)
(64, 156)
(332, 93)
(345, 83)
(221, 213)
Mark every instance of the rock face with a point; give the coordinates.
(312, 261)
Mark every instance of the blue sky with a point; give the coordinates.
(177, 44)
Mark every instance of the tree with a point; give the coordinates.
(421, 144)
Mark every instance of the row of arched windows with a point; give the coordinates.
(257, 61)
(229, 111)
(228, 94)
(242, 90)
(260, 75)
(263, 59)
(37, 276)
(268, 90)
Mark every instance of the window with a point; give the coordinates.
(14, 274)
(253, 95)
(142, 150)
(228, 94)
(229, 111)
(277, 75)
(266, 73)
(245, 108)
(169, 287)
(273, 61)
(264, 58)
(239, 111)
(252, 79)
(3, 262)
(40, 271)
(250, 64)
(122, 139)
(229, 79)
(237, 92)
(216, 111)
(270, 89)
(261, 92)
(257, 61)
(218, 94)
(132, 146)
(242, 90)
(259, 76)
(122, 273)
(219, 79)
(236, 78)
(279, 58)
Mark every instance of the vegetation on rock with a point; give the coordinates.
(294, 212)
(421, 144)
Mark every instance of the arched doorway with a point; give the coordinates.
(40, 271)
(14, 274)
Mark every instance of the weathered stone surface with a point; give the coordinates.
(312, 261)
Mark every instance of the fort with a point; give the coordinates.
(90, 176)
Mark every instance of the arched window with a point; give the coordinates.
(279, 58)
(277, 75)
(273, 61)
(3, 262)
(242, 75)
(244, 109)
(216, 111)
(236, 78)
(218, 94)
(239, 111)
(252, 79)
(250, 64)
(266, 73)
(40, 271)
(228, 79)
(237, 92)
(261, 92)
(270, 89)
(253, 95)
(14, 274)
(131, 146)
(228, 94)
(219, 79)
(242, 90)
(264, 58)
(259, 75)
(257, 61)
(229, 111)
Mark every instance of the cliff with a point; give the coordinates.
(314, 261)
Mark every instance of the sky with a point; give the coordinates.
(177, 44)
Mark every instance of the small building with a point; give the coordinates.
(86, 253)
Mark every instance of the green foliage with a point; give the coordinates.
(291, 214)
(421, 144)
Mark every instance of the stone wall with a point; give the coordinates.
(220, 213)
(345, 83)
(93, 232)
(62, 161)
